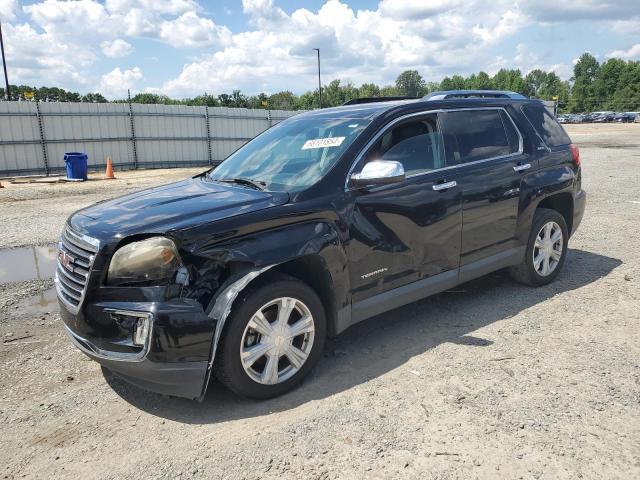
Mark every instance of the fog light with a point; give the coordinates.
(141, 331)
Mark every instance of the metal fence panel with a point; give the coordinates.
(171, 135)
(99, 130)
(19, 124)
(34, 137)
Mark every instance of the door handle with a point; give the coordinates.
(444, 186)
(522, 168)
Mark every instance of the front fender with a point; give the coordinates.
(259, 252)
(278, 245)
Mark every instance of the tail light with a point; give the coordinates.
(575, 153)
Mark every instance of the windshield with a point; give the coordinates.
(293, 155)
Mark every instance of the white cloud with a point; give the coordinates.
(8, 9)
(116, 49)
(510, 22)
(65, 43)
(64, 39)
(170, 7)
(31, 55)
(527, 60)
(190, 30)
(358, 45)
(88, 19)
(632, 54)
(416, 9)
(575, 10)
(116, 83)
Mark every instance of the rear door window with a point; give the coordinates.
(479, 135)
(547, 127)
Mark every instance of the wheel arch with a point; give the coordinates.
(561, 202)
(314, 272)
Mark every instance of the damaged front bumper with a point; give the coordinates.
(173, 356)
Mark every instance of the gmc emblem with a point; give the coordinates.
(65, 259)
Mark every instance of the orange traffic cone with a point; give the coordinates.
(109, 173)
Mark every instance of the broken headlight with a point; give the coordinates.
(148, 262)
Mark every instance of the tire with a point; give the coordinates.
(532, 273)
(241, 338)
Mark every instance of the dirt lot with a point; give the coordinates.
(490, 380)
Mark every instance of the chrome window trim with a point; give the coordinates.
(382, 131)
(88, 348)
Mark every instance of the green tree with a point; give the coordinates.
(337, 93)
(307, 101)
(457, 82)
(284, 100)
(482, 81)
(204, 100)
(369, 90)
(235, 100)
(608, 81)
(510, 80)
(627, 95)
(410, 83)
(389, 91)
(535, 82)
(153, 99)
(583, 94)
(93, 98)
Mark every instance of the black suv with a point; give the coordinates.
(322, 221)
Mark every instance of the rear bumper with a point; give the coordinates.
(579, 204)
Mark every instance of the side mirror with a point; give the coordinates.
(378, 172)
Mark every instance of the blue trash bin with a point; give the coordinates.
(76, 163)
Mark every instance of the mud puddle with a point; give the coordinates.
(27, 263)
(42, 302)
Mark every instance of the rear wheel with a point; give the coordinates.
(273, 337)
(546, 249)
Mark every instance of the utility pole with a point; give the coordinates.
(7, 93)
(319, 83)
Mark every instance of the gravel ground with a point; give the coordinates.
(34, 213)
(490, 380)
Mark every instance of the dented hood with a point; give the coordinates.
(170, 207)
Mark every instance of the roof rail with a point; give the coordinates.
(358, 101)
(473, 94)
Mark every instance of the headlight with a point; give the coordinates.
(152, 260)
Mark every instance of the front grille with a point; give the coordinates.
(75, 259)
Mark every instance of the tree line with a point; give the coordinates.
(610, 85)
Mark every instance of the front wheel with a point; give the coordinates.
(546, 249)
(273, 337)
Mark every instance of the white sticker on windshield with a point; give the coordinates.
(323, 142)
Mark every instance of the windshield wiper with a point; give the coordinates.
(256, 184)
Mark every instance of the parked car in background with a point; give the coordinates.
(322, 221)
(624, 117)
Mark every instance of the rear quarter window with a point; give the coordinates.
(547, 127)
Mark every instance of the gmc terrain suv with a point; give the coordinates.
(322, 221)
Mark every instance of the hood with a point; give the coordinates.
(171, 207)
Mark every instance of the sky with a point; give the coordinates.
(183, 48)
